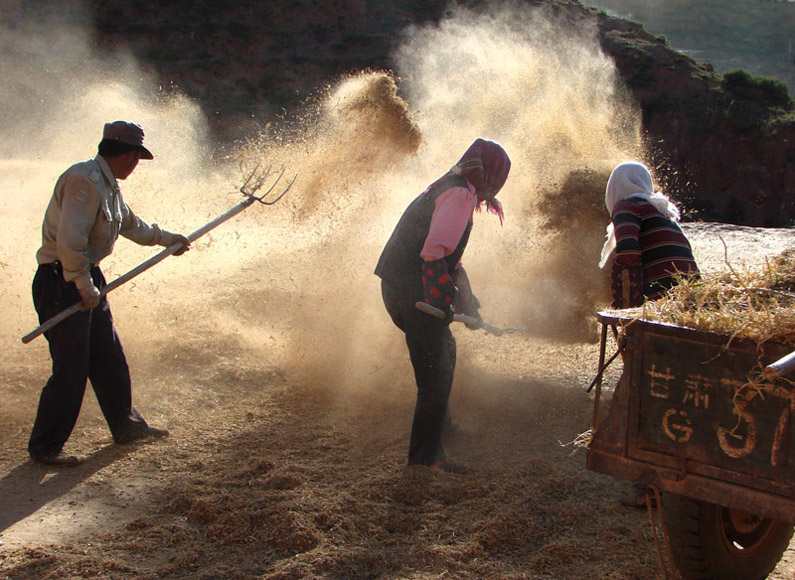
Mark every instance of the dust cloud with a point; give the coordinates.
(290, 286)
(540, 85)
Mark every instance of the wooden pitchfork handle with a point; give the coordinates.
(428, 309)
(77, 306)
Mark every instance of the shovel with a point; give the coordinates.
(250, 199)
(496, 331)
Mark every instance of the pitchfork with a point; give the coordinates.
(252, 185)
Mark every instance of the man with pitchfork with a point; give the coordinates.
(85, 216)
(422, 262)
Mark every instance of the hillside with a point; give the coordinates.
(722, 147)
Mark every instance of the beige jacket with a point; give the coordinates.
(85, 217)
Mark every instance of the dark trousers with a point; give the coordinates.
(432, 351)
(83, 347)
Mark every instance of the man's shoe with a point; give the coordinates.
(148, 433)
(57, 459)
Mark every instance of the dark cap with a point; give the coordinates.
(127, 133)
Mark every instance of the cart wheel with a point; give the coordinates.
(711, 542)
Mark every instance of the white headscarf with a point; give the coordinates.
(632, 179)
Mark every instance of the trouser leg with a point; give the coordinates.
(109, 373)
(448, 420)
(432, 350)
(432, 353)
(62, 396)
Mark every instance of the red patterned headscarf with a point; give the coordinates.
(486, 166)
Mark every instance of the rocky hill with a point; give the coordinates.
(730, 138)
(726, 142)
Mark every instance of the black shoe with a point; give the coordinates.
(148, 433)
(57, 459)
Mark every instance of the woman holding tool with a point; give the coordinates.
(422, 262)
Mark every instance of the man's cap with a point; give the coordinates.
(128, 133)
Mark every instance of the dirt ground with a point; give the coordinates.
(272, 471)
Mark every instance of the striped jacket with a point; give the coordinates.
(650, 250)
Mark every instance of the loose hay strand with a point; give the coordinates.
(580, 441)
(756, 304)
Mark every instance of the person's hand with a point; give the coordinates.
(90, 297)
(168, 239)
(449, 313)
(179, 238)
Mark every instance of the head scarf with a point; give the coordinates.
(632, 179)
(486, 166)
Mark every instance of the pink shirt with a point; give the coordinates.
(452, 212)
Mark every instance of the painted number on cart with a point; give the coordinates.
(736, 441)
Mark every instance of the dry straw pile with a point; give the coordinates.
(756, 304)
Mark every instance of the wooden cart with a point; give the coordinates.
(693, 417)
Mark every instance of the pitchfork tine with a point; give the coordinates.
(281, 195)
(250, 177)
(249, 192)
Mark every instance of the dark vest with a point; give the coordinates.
(400, 263)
